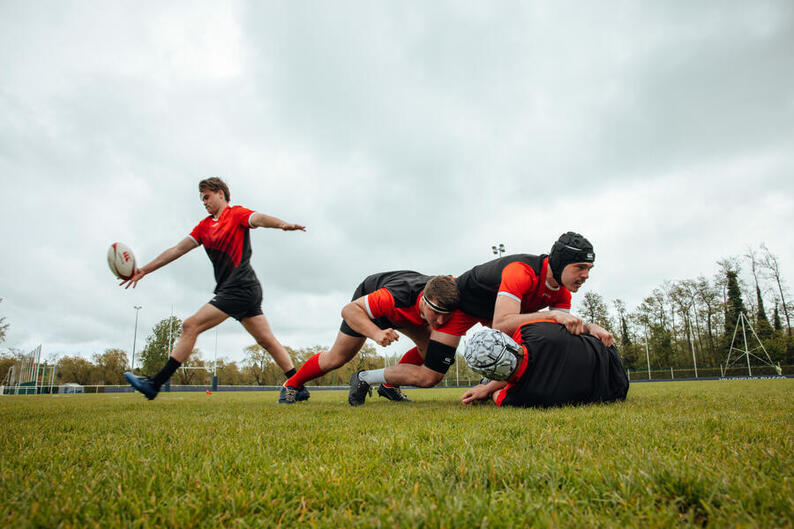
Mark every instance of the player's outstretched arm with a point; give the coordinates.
(260, 220)
(175, 252)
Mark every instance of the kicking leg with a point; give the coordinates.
(205, 318)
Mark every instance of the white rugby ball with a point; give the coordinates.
(121, 260)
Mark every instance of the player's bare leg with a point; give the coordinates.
(420, 337)
(344, 349)
(205, 318)
(259, 328)
(361, 381)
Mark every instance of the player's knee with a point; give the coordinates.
(334, 361)
(190, 327)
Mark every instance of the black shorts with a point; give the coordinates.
(383, 323)
(239, 302)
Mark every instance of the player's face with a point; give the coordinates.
(433, 318)
(575, 274)
(213, 201)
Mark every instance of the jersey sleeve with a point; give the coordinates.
(197, 231)
(563, 300)
(517, 280)
(379, 303)
(458, 324)
(243, 216)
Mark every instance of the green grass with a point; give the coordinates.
(681, 453)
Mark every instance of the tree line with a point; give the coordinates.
(676, 321)
(699, 316)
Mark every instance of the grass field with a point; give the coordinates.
(680, 453)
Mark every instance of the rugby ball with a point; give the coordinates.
(121, 260)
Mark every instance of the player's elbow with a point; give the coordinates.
(348, 311)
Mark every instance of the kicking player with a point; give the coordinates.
(544, 365)
(420, 306)
(225, 236)
(502, 294)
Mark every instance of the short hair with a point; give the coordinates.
(443, 291)
(215, 184)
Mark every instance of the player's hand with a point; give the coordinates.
(479, 392)
(572, 323)
(386, 337)
(293, 227)
(133, 281)
(601, 333)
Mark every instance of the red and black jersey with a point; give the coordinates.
(560, 368)
(395, 297)
(226, 241)
(521, 277)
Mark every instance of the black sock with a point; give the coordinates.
(289, 373)
(165, 373)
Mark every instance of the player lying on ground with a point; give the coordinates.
(225, 236)
(503, 293)
(544, 365)
(421, 307)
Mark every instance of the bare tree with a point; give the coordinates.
(770, 263)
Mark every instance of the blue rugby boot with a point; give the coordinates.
(142, 384)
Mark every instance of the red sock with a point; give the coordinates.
(308, 371)
(411, 356)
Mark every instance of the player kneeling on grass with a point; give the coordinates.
(225, 236)
(422, 307)
(544, 365)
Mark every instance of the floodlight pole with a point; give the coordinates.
(498, 250)
(135, 337)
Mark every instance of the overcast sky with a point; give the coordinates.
(402, 134)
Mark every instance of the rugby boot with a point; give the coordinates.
(358, 390)
(302, 394)
(142, 384)
(288, 395)
(393, 393)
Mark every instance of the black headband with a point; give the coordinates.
(435, 307)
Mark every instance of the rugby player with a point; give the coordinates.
(421, 307)
(544, 365)
(502, 294)
(225, 237)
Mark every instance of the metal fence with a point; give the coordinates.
(679, 373)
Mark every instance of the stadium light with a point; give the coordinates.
(135, 337)
(498, 250)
